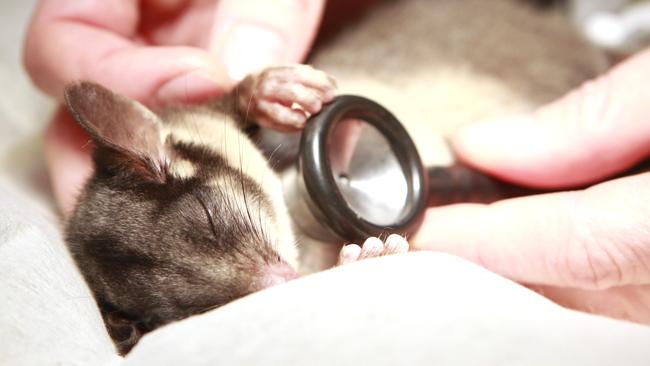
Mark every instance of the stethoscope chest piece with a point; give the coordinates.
(358, 175)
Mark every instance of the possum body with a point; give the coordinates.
(440, 64)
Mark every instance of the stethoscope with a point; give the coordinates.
(358, 174)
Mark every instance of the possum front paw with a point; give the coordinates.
(373, 247)
(284, 97)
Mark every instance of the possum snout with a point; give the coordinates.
(278, 273)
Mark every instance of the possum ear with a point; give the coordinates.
(127, 134)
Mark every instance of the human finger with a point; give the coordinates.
(94, 39)
(597, 130)
(591, 239)
(250, 34)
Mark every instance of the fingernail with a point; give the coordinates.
(475, 134)
(194, 86)
(491, 140)
(249, 48)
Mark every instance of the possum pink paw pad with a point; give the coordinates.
(373, 247)
(284, 97)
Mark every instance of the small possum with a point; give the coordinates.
(183, 213)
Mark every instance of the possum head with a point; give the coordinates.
(155, 246)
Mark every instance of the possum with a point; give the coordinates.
(184, 213)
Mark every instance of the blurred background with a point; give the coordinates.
(24, 111)
(620, 26)
(22, 107)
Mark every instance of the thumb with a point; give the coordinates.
(595, 131)
(246, 36)
(251, 34)
(591, 239)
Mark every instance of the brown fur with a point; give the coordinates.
(440, 64)
(157, 246)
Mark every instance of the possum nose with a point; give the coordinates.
(279, 273)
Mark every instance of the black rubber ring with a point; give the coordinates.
(314, 165)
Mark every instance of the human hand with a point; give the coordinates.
(154, 51)
(159, 51)
(588, 249)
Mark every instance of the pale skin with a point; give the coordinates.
(156, 52)
(588, 249)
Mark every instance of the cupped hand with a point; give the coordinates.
(154, 51)
(587, 249)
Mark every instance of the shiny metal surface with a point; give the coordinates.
(307, 219)
(367, 172)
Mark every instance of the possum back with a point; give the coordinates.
(439, 64)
